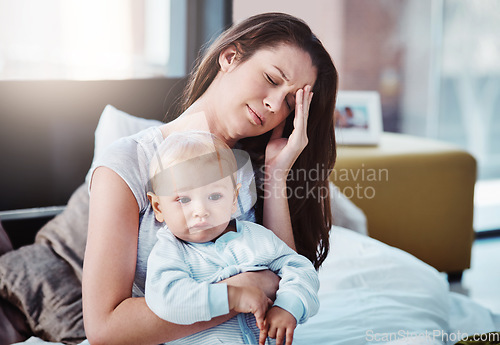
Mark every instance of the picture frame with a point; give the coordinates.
(358, 118)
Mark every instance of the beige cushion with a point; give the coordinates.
(66, 234)
(44, 279)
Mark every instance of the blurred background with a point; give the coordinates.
(435, 63)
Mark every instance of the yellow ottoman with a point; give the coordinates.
(417, 195)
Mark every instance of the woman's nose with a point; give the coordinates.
(274, 100)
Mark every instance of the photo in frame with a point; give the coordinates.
(358, 118)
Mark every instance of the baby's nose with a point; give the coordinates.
(200, 210)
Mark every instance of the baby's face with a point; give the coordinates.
(199, 213)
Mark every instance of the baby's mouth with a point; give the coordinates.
(200, 226)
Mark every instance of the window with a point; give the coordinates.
(436, 64)
(469, 112)
(112, 39)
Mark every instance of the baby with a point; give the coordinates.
(194, 193)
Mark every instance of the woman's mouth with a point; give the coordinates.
(256, 118)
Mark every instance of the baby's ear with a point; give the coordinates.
(237, 190)
(235, 201)
(155, 203)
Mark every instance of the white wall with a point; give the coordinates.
(323, 16)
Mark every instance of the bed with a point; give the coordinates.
(371, 293)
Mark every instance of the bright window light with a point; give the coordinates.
(83, 40)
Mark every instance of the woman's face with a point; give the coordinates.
(258, 94)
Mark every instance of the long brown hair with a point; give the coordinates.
(310, 213)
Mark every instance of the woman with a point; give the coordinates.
(253, 88)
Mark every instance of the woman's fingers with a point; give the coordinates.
(306, 101)
(303, 100)
(263, 333)
(299, 109)
(283, 152)
(309, 97)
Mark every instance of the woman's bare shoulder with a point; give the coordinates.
(108, 185)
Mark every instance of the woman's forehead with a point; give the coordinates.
(293, 64)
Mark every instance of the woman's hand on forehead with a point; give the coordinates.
(281, 153)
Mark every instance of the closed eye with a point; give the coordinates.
(269, 79)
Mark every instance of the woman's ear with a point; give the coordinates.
(155, 203)
(228, 58)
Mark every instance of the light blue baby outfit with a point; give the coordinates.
(181, 275)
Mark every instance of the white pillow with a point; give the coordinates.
(344, 213)
(115, 124)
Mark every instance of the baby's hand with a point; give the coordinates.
(249, 299)
(278, 324)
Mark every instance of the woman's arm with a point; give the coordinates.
(276, 212)
(111, 315)
(281, 154)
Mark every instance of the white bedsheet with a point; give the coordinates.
(372, 293)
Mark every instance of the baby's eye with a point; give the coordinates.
(215, 196)
(183, 199)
